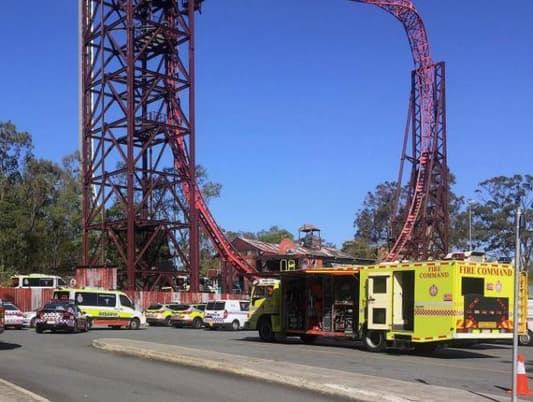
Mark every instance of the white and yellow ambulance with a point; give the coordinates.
(110, 308)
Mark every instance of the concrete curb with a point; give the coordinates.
(10, 392)
(358, 387)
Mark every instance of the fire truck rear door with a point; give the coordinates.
(378, 301)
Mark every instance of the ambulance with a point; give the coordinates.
(420, 305)
(107, 308)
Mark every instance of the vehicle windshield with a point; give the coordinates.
(215, 306)
(56, 306)
(263, 291)
(10, 307)
(154, 306)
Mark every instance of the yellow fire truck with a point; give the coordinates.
(421, 305)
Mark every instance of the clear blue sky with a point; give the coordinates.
(301, 104)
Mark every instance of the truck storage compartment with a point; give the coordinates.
(321, 304)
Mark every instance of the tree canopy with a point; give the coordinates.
(39, 207)
(489, 219)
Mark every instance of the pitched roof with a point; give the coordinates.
(273, 249)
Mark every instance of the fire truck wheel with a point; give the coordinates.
(375, 341)
(306, 338)
(265, 330)
(525, 340)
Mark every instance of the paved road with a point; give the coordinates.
(485, 369)
(64, 367)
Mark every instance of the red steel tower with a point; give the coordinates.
(142, 209)
(425, 220)
(138, 102)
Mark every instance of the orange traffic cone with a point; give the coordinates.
(522, 386)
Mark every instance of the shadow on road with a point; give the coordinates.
(9, 346)
(473, 351)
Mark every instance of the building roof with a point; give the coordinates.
(274, 249)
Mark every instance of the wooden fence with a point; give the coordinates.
(29, 299)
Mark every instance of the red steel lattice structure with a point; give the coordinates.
(142, 209)
(425, 220)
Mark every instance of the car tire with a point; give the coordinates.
(38, 329)
(32, 322)
(135, 324)
(89, 323)
(167, 322)
(197, 323)
(375, 341)
(235, 325)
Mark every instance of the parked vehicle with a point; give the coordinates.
(109, 308)
(226, 313)
(422, 305)
(13, 317)
(191, 316)
(37, 281)
(2, 313)
(61, 315)
(29, 318)
(160, 314)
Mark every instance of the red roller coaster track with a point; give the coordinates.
(424, 231)
(138, 117)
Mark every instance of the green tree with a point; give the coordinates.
(372, 221)
(39, 207)
(274, 235)
(231, 235)
(15, 151)
(495, 214)
(359, 247)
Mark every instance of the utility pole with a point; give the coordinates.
(516, 300)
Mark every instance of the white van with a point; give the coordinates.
(226, 313)
(41, 281)
(109, 308)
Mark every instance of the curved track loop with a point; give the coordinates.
(406, 13)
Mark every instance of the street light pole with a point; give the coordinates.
(470, 202)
